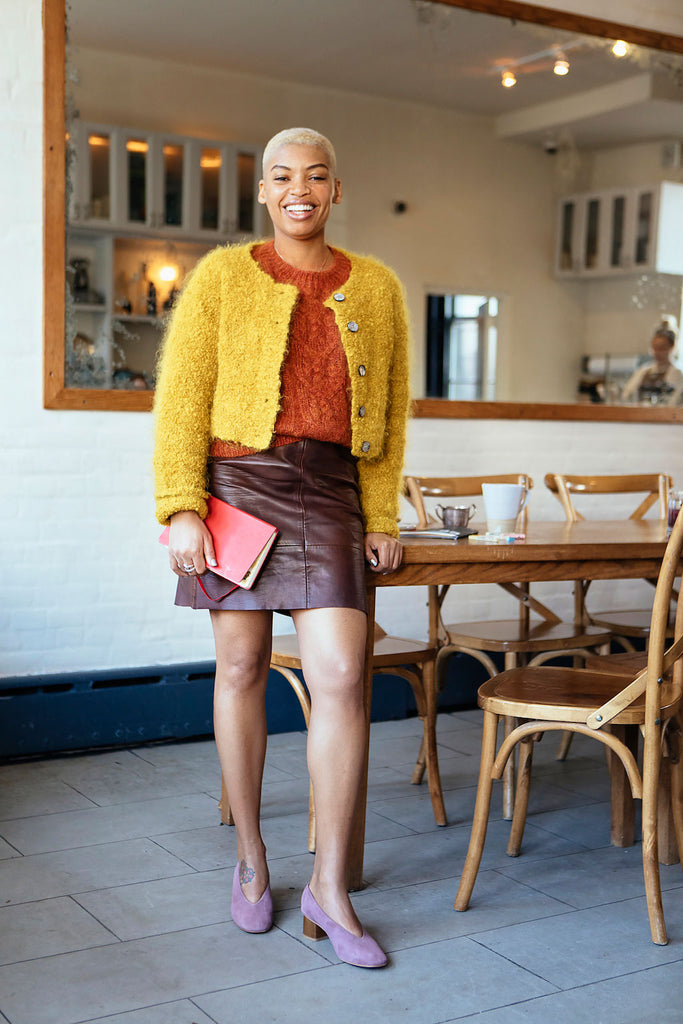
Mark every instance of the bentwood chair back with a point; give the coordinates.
(653, 487)
(649, 490)
(416, 489)
(597, 704)
(411, 660)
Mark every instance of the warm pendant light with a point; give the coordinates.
(561, 66)
(508, 79)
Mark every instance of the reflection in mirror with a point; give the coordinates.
(546, 193)
(462, 346)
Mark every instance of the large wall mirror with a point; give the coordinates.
(534, 217)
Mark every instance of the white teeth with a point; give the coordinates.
(299, 208)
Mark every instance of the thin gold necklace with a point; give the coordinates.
(329, 256)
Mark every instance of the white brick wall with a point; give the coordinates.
(86, 584)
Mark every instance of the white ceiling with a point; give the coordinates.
(408, 50)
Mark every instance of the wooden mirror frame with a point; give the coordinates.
(55, 393)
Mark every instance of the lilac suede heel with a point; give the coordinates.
(251, 917)
(357, 950)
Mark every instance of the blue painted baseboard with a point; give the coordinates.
(48, 714)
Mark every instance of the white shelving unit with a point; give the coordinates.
(617, 232)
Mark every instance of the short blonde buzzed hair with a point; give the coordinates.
(300, 137)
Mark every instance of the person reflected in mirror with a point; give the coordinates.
(659, 381)
(283, 389)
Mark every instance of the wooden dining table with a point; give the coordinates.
(595, 550)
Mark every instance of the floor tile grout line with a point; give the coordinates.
(572, 988)
(534, 974)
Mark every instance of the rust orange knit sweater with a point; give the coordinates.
(314, 394)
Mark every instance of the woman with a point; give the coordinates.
(659, 380)
(283, 389)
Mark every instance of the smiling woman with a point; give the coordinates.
(470, 244)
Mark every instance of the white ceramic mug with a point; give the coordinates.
(503, 503)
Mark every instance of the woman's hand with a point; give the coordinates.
(190, 547)
(384, 553)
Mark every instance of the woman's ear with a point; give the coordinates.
(337, 195)
(261, 194)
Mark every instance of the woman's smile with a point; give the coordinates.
(299, 189)
(299, 210)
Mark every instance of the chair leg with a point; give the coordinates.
(426, 697)
(224, 805)
(653, 891)
(667, 845)
(481, 812)
(526, 756)
(564, 745)
(511, 661)
(419, 769)
(623, 821)
(676, 769)
(429, 739)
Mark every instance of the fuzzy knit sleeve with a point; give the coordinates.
(186, 381)
(381, 478)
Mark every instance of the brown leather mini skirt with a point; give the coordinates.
(309, 490)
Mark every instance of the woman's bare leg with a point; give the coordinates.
(332, 646)
(243, 645)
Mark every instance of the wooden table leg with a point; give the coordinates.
(623, 805)
(355, 872)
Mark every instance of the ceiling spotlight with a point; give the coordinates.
(561, 66)
(508, 79)
(620, 48)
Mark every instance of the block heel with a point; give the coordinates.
(313, 930)
(357, 950)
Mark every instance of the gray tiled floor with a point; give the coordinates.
(115, 879)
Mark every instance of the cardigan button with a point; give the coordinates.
(361, 411)
(339, 296)
(361, 370)
(365, 447)
(352, 326)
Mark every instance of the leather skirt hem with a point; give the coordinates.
(309, 490)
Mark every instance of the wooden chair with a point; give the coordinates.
(596, 704)
(539, 639)
(625, 625)
(413, 661)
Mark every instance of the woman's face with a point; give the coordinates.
(298, 190)
(661, 348)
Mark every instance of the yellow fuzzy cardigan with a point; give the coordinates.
(219, 376)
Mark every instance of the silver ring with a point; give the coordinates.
(188, 568)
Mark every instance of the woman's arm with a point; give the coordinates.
(184, 393)
(380, 478)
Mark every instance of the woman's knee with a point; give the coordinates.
(339, 680)
(241, 671)
(242, 654)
